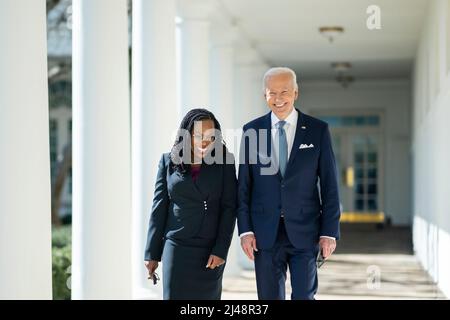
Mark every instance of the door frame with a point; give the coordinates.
(379, 130)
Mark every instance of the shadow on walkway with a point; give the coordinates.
(369, 263)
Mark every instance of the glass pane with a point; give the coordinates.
(372, 204)
(359, 158)
(372, 173)
(351, 121)
(372, 157)
(348, 121)
(365, 156)
(359, 205)
(360, 121)
(373, 120)
(360, 188)
(359, 173)
(332, 121)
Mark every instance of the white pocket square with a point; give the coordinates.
(306, 146)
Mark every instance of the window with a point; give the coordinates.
(351, 121)
(365, 160)
(357, 148)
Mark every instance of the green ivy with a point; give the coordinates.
(61, 262)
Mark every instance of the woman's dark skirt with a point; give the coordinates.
(185, 276)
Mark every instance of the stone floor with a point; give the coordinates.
(368, 264)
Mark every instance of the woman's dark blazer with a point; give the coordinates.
(183, 209)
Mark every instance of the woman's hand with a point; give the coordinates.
(214, 261)
(151, 266)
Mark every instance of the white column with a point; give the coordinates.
(248, 104)
(222, 99)
(154, 119)
(257, 73)
(195, 49)
(242, 97)
(222, 76)
(249, 95)
(101, 229)
(243, 94)
(25, 230)
(222, 104)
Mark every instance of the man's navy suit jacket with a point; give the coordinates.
(308, 212)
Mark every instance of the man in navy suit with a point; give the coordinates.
(288, 192)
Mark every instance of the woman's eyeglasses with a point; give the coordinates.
(200, 137)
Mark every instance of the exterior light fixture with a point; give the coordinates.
(331, 32)
(345, 80)
(341, 66)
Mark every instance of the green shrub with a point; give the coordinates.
(61, 262)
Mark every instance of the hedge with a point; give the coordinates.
(61, 262)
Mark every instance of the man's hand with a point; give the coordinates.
(248, 244)
(327, 246)
(151, 266)
(214, 261)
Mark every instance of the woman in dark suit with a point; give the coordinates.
(194, 211)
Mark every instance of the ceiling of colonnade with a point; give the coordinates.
(285, 32)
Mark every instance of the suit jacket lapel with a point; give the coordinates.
(202, 180)
(298, 139)
(268, 127)
(207, 179)
(300, 132)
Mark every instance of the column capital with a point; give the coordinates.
(248, 56)
(195, 9)
(223, 35)
(259, 69)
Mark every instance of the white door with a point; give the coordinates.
(357, 144)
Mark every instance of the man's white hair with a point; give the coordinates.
(279, 70)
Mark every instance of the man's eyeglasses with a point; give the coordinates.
(154, 277)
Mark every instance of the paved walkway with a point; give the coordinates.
(368, 264)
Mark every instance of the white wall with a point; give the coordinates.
(431, 145)
(392, 98)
